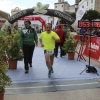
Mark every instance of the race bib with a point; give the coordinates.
(50, 52)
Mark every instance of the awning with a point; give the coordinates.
(4, 14)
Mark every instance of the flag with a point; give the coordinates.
(79, 14)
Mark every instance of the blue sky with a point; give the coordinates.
(7, 5)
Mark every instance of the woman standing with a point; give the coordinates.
(28, 40)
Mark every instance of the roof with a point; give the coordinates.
(62, 3)
(4, 14)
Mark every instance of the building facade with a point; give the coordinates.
(77, 1)
(90, 4)
(2, 21)
(64, 6)
(97, 5)
(15, 10)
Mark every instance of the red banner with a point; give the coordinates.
(95, 48)
(77, 38)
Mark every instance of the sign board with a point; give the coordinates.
(95, 48)
(88, 24)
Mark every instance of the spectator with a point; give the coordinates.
(61, 33)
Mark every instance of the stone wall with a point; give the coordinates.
(97, 5)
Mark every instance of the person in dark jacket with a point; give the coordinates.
(28, 40)
(61, 33)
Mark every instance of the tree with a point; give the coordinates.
(73, 15)
(91, 15)
(62, 21)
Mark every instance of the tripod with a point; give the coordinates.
(89, 68)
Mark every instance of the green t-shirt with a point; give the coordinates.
(28, 37)
(67, 31)
(49, 43)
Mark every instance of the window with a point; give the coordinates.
(91, 1)
(87, 3)
(92, 6)
(62, 5)
(55, 6)
(59, 1)
(82, 6)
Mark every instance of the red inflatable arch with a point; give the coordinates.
(32, 18)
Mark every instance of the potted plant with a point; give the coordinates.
(70, 46)
(12, 48)
(4, 79)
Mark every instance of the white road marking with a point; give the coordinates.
(31, 87)
(53, 86)
(78, 84)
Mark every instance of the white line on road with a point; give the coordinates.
(78, 84)
(31, 87)
(53, 86)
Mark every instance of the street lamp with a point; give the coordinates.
(76, 7)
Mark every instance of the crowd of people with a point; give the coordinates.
(85, 32)
(88, 31)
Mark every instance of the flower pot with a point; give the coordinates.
(12, 64)
(71, 55)
(2, 96)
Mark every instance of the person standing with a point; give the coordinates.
(61, 33)
(28, 40)
(16, 27)
(66, 30)
(82, 31)
(9, 30)
(47, 40)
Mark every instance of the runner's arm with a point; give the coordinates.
(56, 39)
(41, 43)
(40, 40)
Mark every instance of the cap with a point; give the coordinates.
(59, 25)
